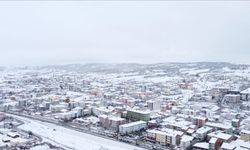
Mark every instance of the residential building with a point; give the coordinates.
(245, 135)
(137, 115)
(132, 127)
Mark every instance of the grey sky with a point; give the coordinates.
(41, 33)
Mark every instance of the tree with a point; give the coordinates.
(30, 133)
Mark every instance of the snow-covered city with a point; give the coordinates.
(126, 106)
(124, 74)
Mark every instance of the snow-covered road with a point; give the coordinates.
(71, 139)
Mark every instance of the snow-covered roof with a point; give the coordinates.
(228, 146)
(220, 135)
(218, 125)
(186, 138)
(203, 130)
(13, 134)
(202, 145)
(246, 91)
(213, 140)
(245, 131)
(133, 124)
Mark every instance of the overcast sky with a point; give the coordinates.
(42, 33)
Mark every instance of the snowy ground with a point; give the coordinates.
(71, 139)
(1, 142)
(41, 147)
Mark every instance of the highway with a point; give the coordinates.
(78, 128)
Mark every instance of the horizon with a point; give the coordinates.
(120, 63)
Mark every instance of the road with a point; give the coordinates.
(68, 138)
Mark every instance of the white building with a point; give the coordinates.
(231, 98)
(245, 95)
(186, 141)
(202, 132)
(154, 105)
(78, 111)
(67, 115)
(132, 127)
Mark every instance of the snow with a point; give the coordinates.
(186, 138)
(246, 91)
(239, 72)
(227, 146)
(42, 147)
(241, 144)
(203, 130)
(213, 140)
(220, 135)
(71, 139)
(194, 71)
(155, 78)
(202, 145)
(245, 131)
(1, 142)
(12, 134)
(133, 124)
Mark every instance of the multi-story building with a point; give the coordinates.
(236, 123)
(154, 105)
(186, 141)
(161, 137)
(231, 98)
(138, 115)
(111, 122)
(245, 95)
(202, 132)
(245, 135)
(219, 126)
(132, 127)
(200, 121)
(165, 137)
(221, 136)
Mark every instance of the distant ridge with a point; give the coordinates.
(132, 67)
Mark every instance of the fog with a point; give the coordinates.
(43, 33)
